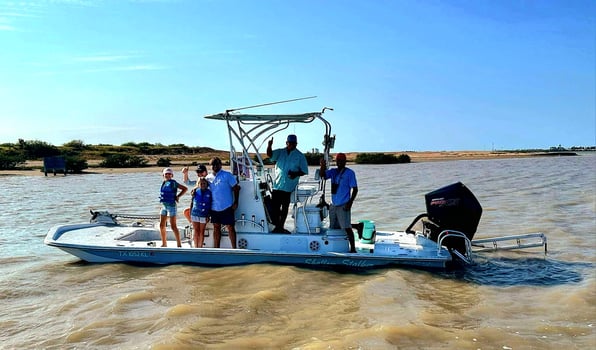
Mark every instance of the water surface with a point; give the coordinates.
(508, 300)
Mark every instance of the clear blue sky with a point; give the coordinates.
(401, 75)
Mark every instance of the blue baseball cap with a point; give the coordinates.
(292, 138)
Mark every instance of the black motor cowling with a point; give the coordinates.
(454, 208)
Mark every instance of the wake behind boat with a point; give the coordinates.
(435, 239)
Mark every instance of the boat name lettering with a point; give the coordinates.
(356, 263)
(347, 262)
(136, 254)
(318, 262)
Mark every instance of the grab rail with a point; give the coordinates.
(467, 258)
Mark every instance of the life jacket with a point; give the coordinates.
(201, 203)
(169, 188)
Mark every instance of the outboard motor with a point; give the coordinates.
(453, 207)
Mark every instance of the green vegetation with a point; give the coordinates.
(131, 155)
(313, 158)
(165, 162)
(11, 159)
(363, 158)
(123, 161)
(381, 158)
(77, 154)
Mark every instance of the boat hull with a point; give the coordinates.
(230, 257)
(98, 243)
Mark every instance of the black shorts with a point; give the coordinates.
(224, 217)
(281, 198)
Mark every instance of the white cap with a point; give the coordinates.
(168, 171)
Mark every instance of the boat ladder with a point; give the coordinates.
(529, 240)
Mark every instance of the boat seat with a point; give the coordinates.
(304, 191)
(366, 231)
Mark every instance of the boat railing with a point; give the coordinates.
(467, 257)
(136, 216)
(304, 207)
(105, 217)
(251, 222)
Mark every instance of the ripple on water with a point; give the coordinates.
(508, 300)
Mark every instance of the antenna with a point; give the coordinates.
(270, 103)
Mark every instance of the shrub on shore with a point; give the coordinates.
(11, 160)
(123, 161)
(381, 158)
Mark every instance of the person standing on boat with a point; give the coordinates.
(290, 164)
(168, 198)
(200, 208)
(201, 172)
(226, 190)
(344, 189)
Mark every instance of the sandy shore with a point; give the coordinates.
(416, 157)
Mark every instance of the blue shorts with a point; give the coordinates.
(168, 208)
(224, 217)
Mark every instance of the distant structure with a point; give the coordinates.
(559, 151)
(54, 164)
(315, 150)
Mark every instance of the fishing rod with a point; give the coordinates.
(328, 143)
(270, 103)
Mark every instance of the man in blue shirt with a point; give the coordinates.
(290, 164)
(225, 190)
(344, 189)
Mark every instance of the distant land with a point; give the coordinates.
(179, 161)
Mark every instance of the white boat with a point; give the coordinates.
(444, 234)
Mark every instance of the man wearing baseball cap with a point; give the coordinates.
(344, 189)
(290, 164)
(225, 190)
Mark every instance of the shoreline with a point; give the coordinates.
(416, 157)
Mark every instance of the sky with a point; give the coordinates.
(401, 75)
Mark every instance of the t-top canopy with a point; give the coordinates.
(304, 118)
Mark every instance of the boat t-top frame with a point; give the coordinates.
(251, 131)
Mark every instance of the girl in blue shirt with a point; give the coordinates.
(168, 198)
(200, 209)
